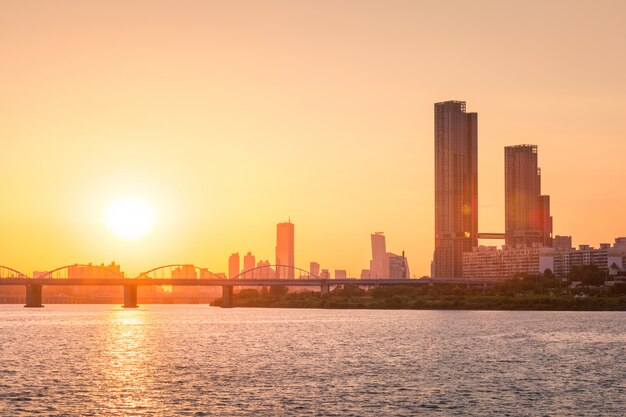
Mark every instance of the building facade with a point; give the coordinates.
(495, 264)
(456, 187)
(561, 261)
(489, 262)
(527, 212)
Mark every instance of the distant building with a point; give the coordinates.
(561, 261)
(325, 274)
(492, 263)
(94, 271)
(484, 262)
(249, 263)
(456, 187)
(314, 269)
(527, 212)
(365, 274)
(398, 266)
(378, 265)
(488, 262)
(341, 274)
(184, 272)
(285, 250)
(264, 270)
(562, 242)
(233, 265)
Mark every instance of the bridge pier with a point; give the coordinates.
(33, 295)
(130, 296)
(325, 288)
(227, 296)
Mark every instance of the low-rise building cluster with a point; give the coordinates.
(489, 262)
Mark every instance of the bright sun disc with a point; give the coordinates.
(130, 218)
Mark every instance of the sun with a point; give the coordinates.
(130, 218)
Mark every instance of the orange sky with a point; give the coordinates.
(229, 117)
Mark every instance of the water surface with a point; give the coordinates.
(198, 360)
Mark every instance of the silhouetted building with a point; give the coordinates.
(379, 267)
(248, 265)
(341, 274)
(233, 265)
(325, 274)
(456, 187)
(264, 270)
(398, 266)
(527, 212)
(365, 273)
(285, 250)
(314, 269)
(183, 272)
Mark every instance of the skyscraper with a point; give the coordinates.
(378, 267)
(456, 187)
(285, 250)
(233, 265)
(248, 265)
(527, 212)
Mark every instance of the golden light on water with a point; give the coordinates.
(127, 377)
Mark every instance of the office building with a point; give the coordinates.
(285, 250)
(398, 266)
(379, 268)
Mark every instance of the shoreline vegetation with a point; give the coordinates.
(541, 293)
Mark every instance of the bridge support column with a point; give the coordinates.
(227, 296)
(130, 296)
(33, 295)
(325, 288)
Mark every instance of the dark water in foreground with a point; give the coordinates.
(197, 360)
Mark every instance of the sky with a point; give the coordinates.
(229, 117)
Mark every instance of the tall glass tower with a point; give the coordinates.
(526, 211)
(456, 187)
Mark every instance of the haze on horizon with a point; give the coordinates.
(230, 117)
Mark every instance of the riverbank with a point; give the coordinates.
(453, 298)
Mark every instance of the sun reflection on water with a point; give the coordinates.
(126, 379)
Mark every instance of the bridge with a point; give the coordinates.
(191, 275)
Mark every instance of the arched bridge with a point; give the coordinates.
(6, 272)
(190, 275)
(276, 271)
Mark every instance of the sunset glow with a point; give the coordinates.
(232, 116)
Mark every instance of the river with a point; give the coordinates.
(195, 360)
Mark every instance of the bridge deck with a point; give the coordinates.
(236, 282)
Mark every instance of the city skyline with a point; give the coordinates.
(334, 129)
